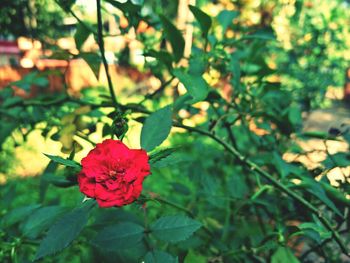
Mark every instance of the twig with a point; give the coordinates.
(102, 50)
(255, 168)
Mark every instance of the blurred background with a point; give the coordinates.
(39, 47)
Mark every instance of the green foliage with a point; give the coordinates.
(174, 36)
(65, 162)
(120, 236)
(158, 257)
(174, 228)
(156, 128)
(64, 231)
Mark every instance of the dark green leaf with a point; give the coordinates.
(236, 70)
(237, 186)
(41, 220)
(174, 228)
(316, 189)
(157, 256)
(18, 214)
(64, 231)
(175, 38)
(63, 161)
(156, 128)
(44, 184)
(319, 233)
(93, 60)
(81, 35)
(203, 19)
(156, 157)
(120, 236)
(126, 7)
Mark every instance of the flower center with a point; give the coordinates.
(116, 173)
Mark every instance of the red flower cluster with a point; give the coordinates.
(113, 174)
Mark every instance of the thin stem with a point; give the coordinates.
(255, 168)
(102, 50)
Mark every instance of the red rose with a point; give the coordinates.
(113, 174)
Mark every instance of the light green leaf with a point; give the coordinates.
(225, 18)
(284, 255)
(64, 231)
(174, 36)
(120, 236)
(157, 256)
(196, 86)
(203, 19)
(63, 161)
(156, 128)
(174, 228)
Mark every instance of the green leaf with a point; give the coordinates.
(225, 19)
(237, 187)
(203, 19)
(41, 220)
(93, 60)
(236, 70)
(157, 256)
(156, 128)
(284, 255)
(44, 184)
(81, 35)
(196, 86)
(316, 189)
(174, 228)
(120, 236)
(164, 153)
(64, 230)
(6, 128)
(174, 36)
(18, 214)
(261, 35)
(318, 232)
(163, 56)
(65, 162)
(337, 160)
(126, 7)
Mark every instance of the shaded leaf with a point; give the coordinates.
(174, 228)
(157, 256)
(18, 214)
(64, 231)
(40, 220)
(174, 36)
(203, 19)
(120, 236)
